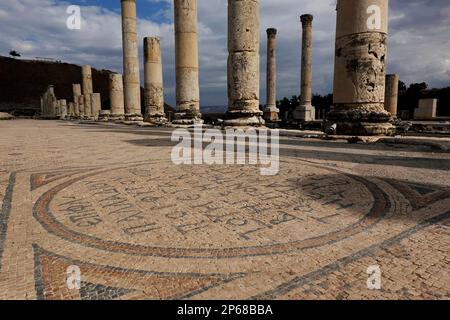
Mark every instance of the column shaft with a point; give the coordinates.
(391, 95)
(154, 92)
(305, 111)
(116, 96)
(132, 86)
(186, 63)
(76, 88)
(271, 111)
(243, 64)
(360, 69)
(86, 72)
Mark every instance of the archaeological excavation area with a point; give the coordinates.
(357, 208)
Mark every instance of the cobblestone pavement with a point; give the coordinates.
(108, 200)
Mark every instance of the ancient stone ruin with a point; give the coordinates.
(365, 98)
(305, 111)
(271, 111)
(360, 70)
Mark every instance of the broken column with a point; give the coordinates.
(186, 63)
(271, 111)
(391, 94)
(360, 69)
(76, 88)
(116, 97)
(243, 64)
(154, 92)
(96, 105)
(62, 109)
(71, 110)
(305, 111)
(86, 73)
(81, 100)
(132, 86)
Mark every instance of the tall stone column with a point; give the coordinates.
(76, 89)
(271, 111)
(154, 92)
(305, 111)
(116, 97)
(132, 85)
(360, 69)
(96, 105)
(86, 73)
(186, 63)
(243, 64)
(391, 94)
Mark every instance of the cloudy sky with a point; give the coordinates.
(419, 43)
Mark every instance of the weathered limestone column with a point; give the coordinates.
(391, 94)
(81, 100)
(62, 108)
(76, 88)
(116, 97)
(305, 111)
(243, 64)
(154, 92)
(132, 85)
(86, 72)
(96, 105)
(71, 110)
(186, 63)
(271, 111)
(360, 69)
(53, 102)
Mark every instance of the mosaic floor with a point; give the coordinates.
(108, 200)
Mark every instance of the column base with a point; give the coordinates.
(103, 116)
(243, 119)
(116, 117)
(360, 120)
(271, 114)
(156, 119)
(187, 118)
(305, 113)
(133, 117)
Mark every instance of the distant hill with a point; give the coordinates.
(213, 109)
(22, 82)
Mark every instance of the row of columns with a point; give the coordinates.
(360, 95)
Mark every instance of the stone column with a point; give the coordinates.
(154, 92)
(71, 110)
(116, 96)
(86, 73)
(305, 111)
(132, 85)
(186, 63)
(360, 69)
(62, 108)
(391, 94)
(271, 111)
(76, 88)
(96, 105)
(81, 105)
(243, 64)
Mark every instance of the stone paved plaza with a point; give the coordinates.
(107, 199)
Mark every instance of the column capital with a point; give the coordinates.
(271, 32)
(306, 19)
